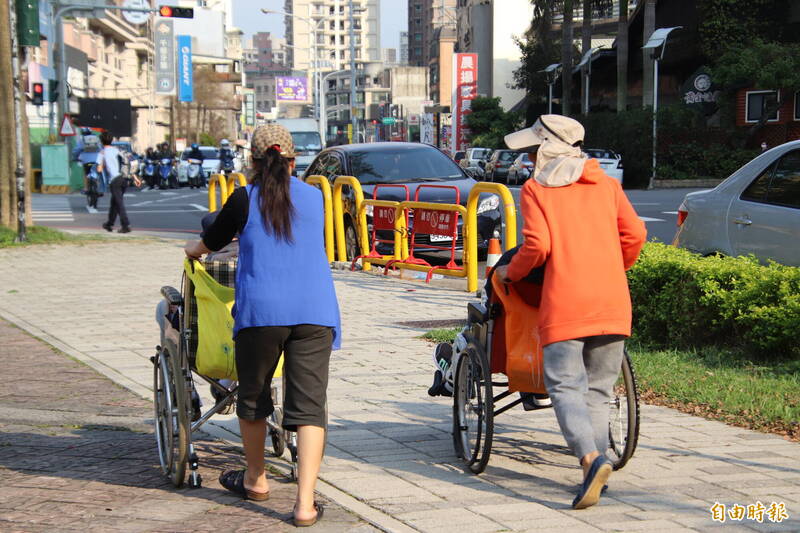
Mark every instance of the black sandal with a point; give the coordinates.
(311, 521)
(233, 480)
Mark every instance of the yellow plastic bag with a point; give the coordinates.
(215, 349)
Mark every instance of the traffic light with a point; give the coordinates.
(176, 12)
(52, 85)
(38, 94)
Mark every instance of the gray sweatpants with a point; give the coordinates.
(579, 375)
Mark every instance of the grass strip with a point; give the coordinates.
(43, 235)
(715, 383)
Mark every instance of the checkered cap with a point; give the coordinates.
(270, 135)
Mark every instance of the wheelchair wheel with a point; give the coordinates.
(473, 409)
(623, 428)
(276, 431)
(171, 417)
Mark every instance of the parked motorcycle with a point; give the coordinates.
(166, 174)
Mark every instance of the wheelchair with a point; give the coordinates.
(177, 366)
(484, 358)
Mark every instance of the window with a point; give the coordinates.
(757, 191)
(784, 189)
(757, 104)
(417, 36)
(797, 105)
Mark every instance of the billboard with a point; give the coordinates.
(185, 85)
(164, 38)
(465, 89)
(291, 89)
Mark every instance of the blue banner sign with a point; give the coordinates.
(185, 86)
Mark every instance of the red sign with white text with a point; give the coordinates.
(383, 218)
(465, 89)
(435, 222)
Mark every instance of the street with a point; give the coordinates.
(179, 211)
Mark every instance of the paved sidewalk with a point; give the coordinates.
(77, 453)
(390, 455)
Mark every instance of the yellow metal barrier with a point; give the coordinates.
(235, 178)
(338, 217)
(470, 253)
(399, 252)
(325, 187)
(509, 218)
(214, 180)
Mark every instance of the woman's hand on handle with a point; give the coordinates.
(195, 249)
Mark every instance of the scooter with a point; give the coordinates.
(92, 185)
(166, 174)
(194, 173)
(149, 172)
(226, 165)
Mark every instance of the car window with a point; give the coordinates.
(400, 166)
(600, 154)
(329, 166)
(306, 141)
(480, 153)
(757, 190)
(209, 153)
(508, 156)
(784, 189)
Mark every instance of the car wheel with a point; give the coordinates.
(351, 241)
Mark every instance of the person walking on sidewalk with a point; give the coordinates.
(581, 226)
(109, 163)
(285, 302)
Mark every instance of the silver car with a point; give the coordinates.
(755, 211)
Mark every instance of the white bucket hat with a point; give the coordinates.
(557, 141)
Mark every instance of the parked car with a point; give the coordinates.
(755, 211)
(409, 164)
(210, 163)
(520, 170)
(475, 158)
(610, 162)
(497, 166)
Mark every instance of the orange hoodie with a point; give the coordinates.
(588, 235)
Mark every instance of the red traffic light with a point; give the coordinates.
(176, 12)
(38, 88)
(38, 94)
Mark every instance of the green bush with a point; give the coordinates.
(682, 300)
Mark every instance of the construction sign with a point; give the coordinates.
(67, 128)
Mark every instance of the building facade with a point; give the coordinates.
(425, 17)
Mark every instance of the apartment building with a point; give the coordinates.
(425, 17)
(329, 22)
(264, 62)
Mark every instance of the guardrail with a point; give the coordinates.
(235, 178)
(338, 218)
(509, 224)
(325, 187)
(213, 181)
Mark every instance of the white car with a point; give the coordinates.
(755, 211)
(610, 162)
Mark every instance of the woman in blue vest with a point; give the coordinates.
(285, 302)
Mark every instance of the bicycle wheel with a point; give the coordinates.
(623, 428)
(473, 409)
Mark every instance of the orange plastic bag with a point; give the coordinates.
(523, 348)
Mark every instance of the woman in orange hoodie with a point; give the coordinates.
(580, 224)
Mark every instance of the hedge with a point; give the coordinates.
(683, 300)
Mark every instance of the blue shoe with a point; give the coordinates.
(593, 485)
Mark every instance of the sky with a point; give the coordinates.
(248, 17)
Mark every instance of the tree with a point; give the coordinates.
(648, 65)
(763, 65)
(622, 57)
(727, 23)
(537, 49)
(566, 58)
(586, 45)
(488, 123)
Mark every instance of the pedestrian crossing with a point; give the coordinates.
(51, 208)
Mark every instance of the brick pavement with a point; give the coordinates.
(77, 453)
(389, 454)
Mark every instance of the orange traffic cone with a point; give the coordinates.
(493, 255)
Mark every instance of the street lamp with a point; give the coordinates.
(586, 66)
(313, 27)
(551, 73)
(657, 40)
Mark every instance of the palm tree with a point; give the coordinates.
(566, 58)
(622, 57)
(647, 72)
(586, 44)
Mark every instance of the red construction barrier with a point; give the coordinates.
(382, 220)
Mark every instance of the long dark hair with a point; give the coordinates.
(272, 176)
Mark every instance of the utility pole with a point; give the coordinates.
(353, 78)
(19, 148)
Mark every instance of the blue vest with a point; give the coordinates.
(281, 283)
